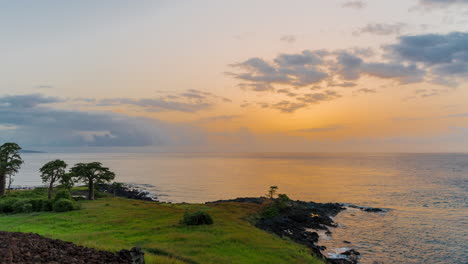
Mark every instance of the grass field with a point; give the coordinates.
(113, 224)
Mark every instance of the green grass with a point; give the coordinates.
(116, 223)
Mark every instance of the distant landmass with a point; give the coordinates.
(31, 151)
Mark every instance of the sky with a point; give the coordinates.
(286, 76)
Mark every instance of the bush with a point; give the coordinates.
(275, 207)
(62, 194)
(7, 204)
(22, 206)
(63, 205)
(36, 204)
(47, 205)
(197, 218)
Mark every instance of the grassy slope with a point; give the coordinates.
(116, 223)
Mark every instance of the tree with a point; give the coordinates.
(10, 163)
(52, 172)
(272, 191)
(92, 173)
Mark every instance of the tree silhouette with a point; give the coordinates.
(10, 163)
(92, 173)
(272, 191)
(52, 172)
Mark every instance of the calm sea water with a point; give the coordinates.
(425, 194)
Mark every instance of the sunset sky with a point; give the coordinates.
(386, 76)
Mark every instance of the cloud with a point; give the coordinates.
(219, 118)
(432, 49)
(189, 101)
(442, 3)
(288, 39)
(440, 59)
(354, 4)
(315, 98)
(44, 86)
(288, 106)
(365, 91)
(456, 115)
(158, 105)
(351, 67)
(297, 70)
(27, 101)
(343, 84)
(302, 101)
(381, 29)
(321, 129)
(31, 122)
(445, 55)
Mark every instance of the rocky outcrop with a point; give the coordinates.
(28, 248)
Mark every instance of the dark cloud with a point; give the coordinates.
(27, 101)
(35, 125)
(440, 59)
(381, 29)
(354, 4)
(315, 98)
(445, 55)
(432, 49)
(296, 70)
(288, 106)
(321, 129)
(302, 101)
(351, 67)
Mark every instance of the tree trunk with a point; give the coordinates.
(51, 186)
(9, 184)
(2, 184)
(91, 190)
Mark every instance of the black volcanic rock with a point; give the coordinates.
(29, 248)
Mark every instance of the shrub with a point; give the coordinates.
(275, 207)
(269, 211)
(47, 205)
(63, 194)
(197, 218)
(7, 204)
(36, 204)
(22, 206)
(63, 205)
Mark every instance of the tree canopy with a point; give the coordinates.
(10, 163)
(52, 172)
(92, 173)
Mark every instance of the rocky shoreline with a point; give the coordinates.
(300, 220)
(129, 191)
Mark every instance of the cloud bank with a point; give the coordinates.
(28, 120)
(440, 59)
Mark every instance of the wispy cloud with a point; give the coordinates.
(442, 3)
(381, 29)
(354, 4)
(288, 39)
(322, 129)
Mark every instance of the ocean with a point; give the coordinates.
(425, 195)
